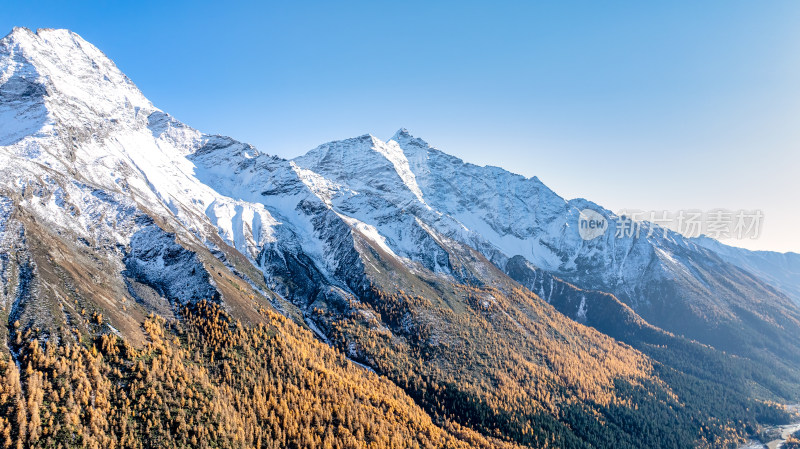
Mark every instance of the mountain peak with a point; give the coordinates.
(18, 32)
(402, 133)
(28, 39)
(365, 158)
(25, 33)
(404, 136)
(72, 75)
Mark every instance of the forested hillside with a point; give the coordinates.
(208, 381)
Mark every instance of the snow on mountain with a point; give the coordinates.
(75, 128)
(6, 208)
(779, 269)
(102, 130)
(373, 155)
(90, 86)
(668, 279)
(499, 213)
(93, 167)
(396, 194)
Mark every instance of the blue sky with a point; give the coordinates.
(638, 105)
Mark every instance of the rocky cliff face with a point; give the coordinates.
(112, 210)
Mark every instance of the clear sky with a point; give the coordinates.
(638, 105)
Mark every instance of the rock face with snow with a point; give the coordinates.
(109, 204)
(414, 197)
(74, 124)
(781, 270)
(100, 207)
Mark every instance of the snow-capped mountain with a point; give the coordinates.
(667, 279)
(781, 270)
(69, 111)
(109, 204)
(89, 163)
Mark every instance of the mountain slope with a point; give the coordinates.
(781, 270)
(670, 281)
(147, 249)
(100, 243)
(354, 288)
(398, 250)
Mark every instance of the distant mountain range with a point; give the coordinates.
(455, 304)
(781, 270)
